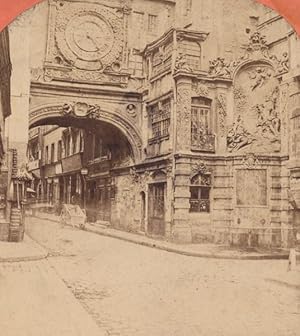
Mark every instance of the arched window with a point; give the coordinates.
(200, 193)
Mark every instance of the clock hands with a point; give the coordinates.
(88, 36)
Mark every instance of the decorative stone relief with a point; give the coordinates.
(219, 68)
(250, 161)
(181, 64)
(37, 74)
(131, 110)
(284, 98)
(257, 123)
(199, 168)
(81, 110)
(239, 98)
(200, 89)
(222, 112)
(86, 76)
(257, 49)
(238, 136)
(259, 77)
(184, 117)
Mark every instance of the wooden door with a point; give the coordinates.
(156, 222)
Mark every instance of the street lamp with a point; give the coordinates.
(84, 172)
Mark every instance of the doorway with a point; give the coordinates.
(156, 223)
(143, 211)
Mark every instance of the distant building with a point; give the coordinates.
(5, 74)
(179, 119)
(5, 112)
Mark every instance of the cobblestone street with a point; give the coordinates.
(134, 290)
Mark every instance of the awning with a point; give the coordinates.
(36, 174)
(31, 191)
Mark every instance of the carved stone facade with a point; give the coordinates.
(189, 121)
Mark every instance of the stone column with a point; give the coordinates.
(182, 232)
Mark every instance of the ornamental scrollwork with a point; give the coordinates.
(222, 68)
(184, 116)
(200, 168)
(80, 109)
(222, 112)
(250, 161)
(200, 89)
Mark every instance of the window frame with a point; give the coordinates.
(152, 23)
(199, 187)
(206, 111)
(52, 153)
(160, 119)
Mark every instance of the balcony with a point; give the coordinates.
(99, 165)
(72, 163)
(204, 142)
(33, 165)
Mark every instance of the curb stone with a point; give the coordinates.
(159, 246)
(43, 255)
(283, 256)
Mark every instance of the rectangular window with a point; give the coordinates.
(138, 28)
(59, 150)
(67, 145)
(201, 135)
(81, 142)
(162, 59)
(160, 119)
(52, 152)
(46, 155)
(192, 53)
(138, 23)
(199, 201)
(152, 23)
(99, 150)
(74, 143)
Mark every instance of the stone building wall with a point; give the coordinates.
(211, 98)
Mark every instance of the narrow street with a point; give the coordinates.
(134, 290)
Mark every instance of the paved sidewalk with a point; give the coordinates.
(27, 250)
(34, 301)
(194, 250)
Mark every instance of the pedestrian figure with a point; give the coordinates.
(292, 260)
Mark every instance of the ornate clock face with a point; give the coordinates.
(89, 37)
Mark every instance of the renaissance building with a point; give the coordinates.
(178, 119)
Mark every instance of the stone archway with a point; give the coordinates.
(73, 114)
